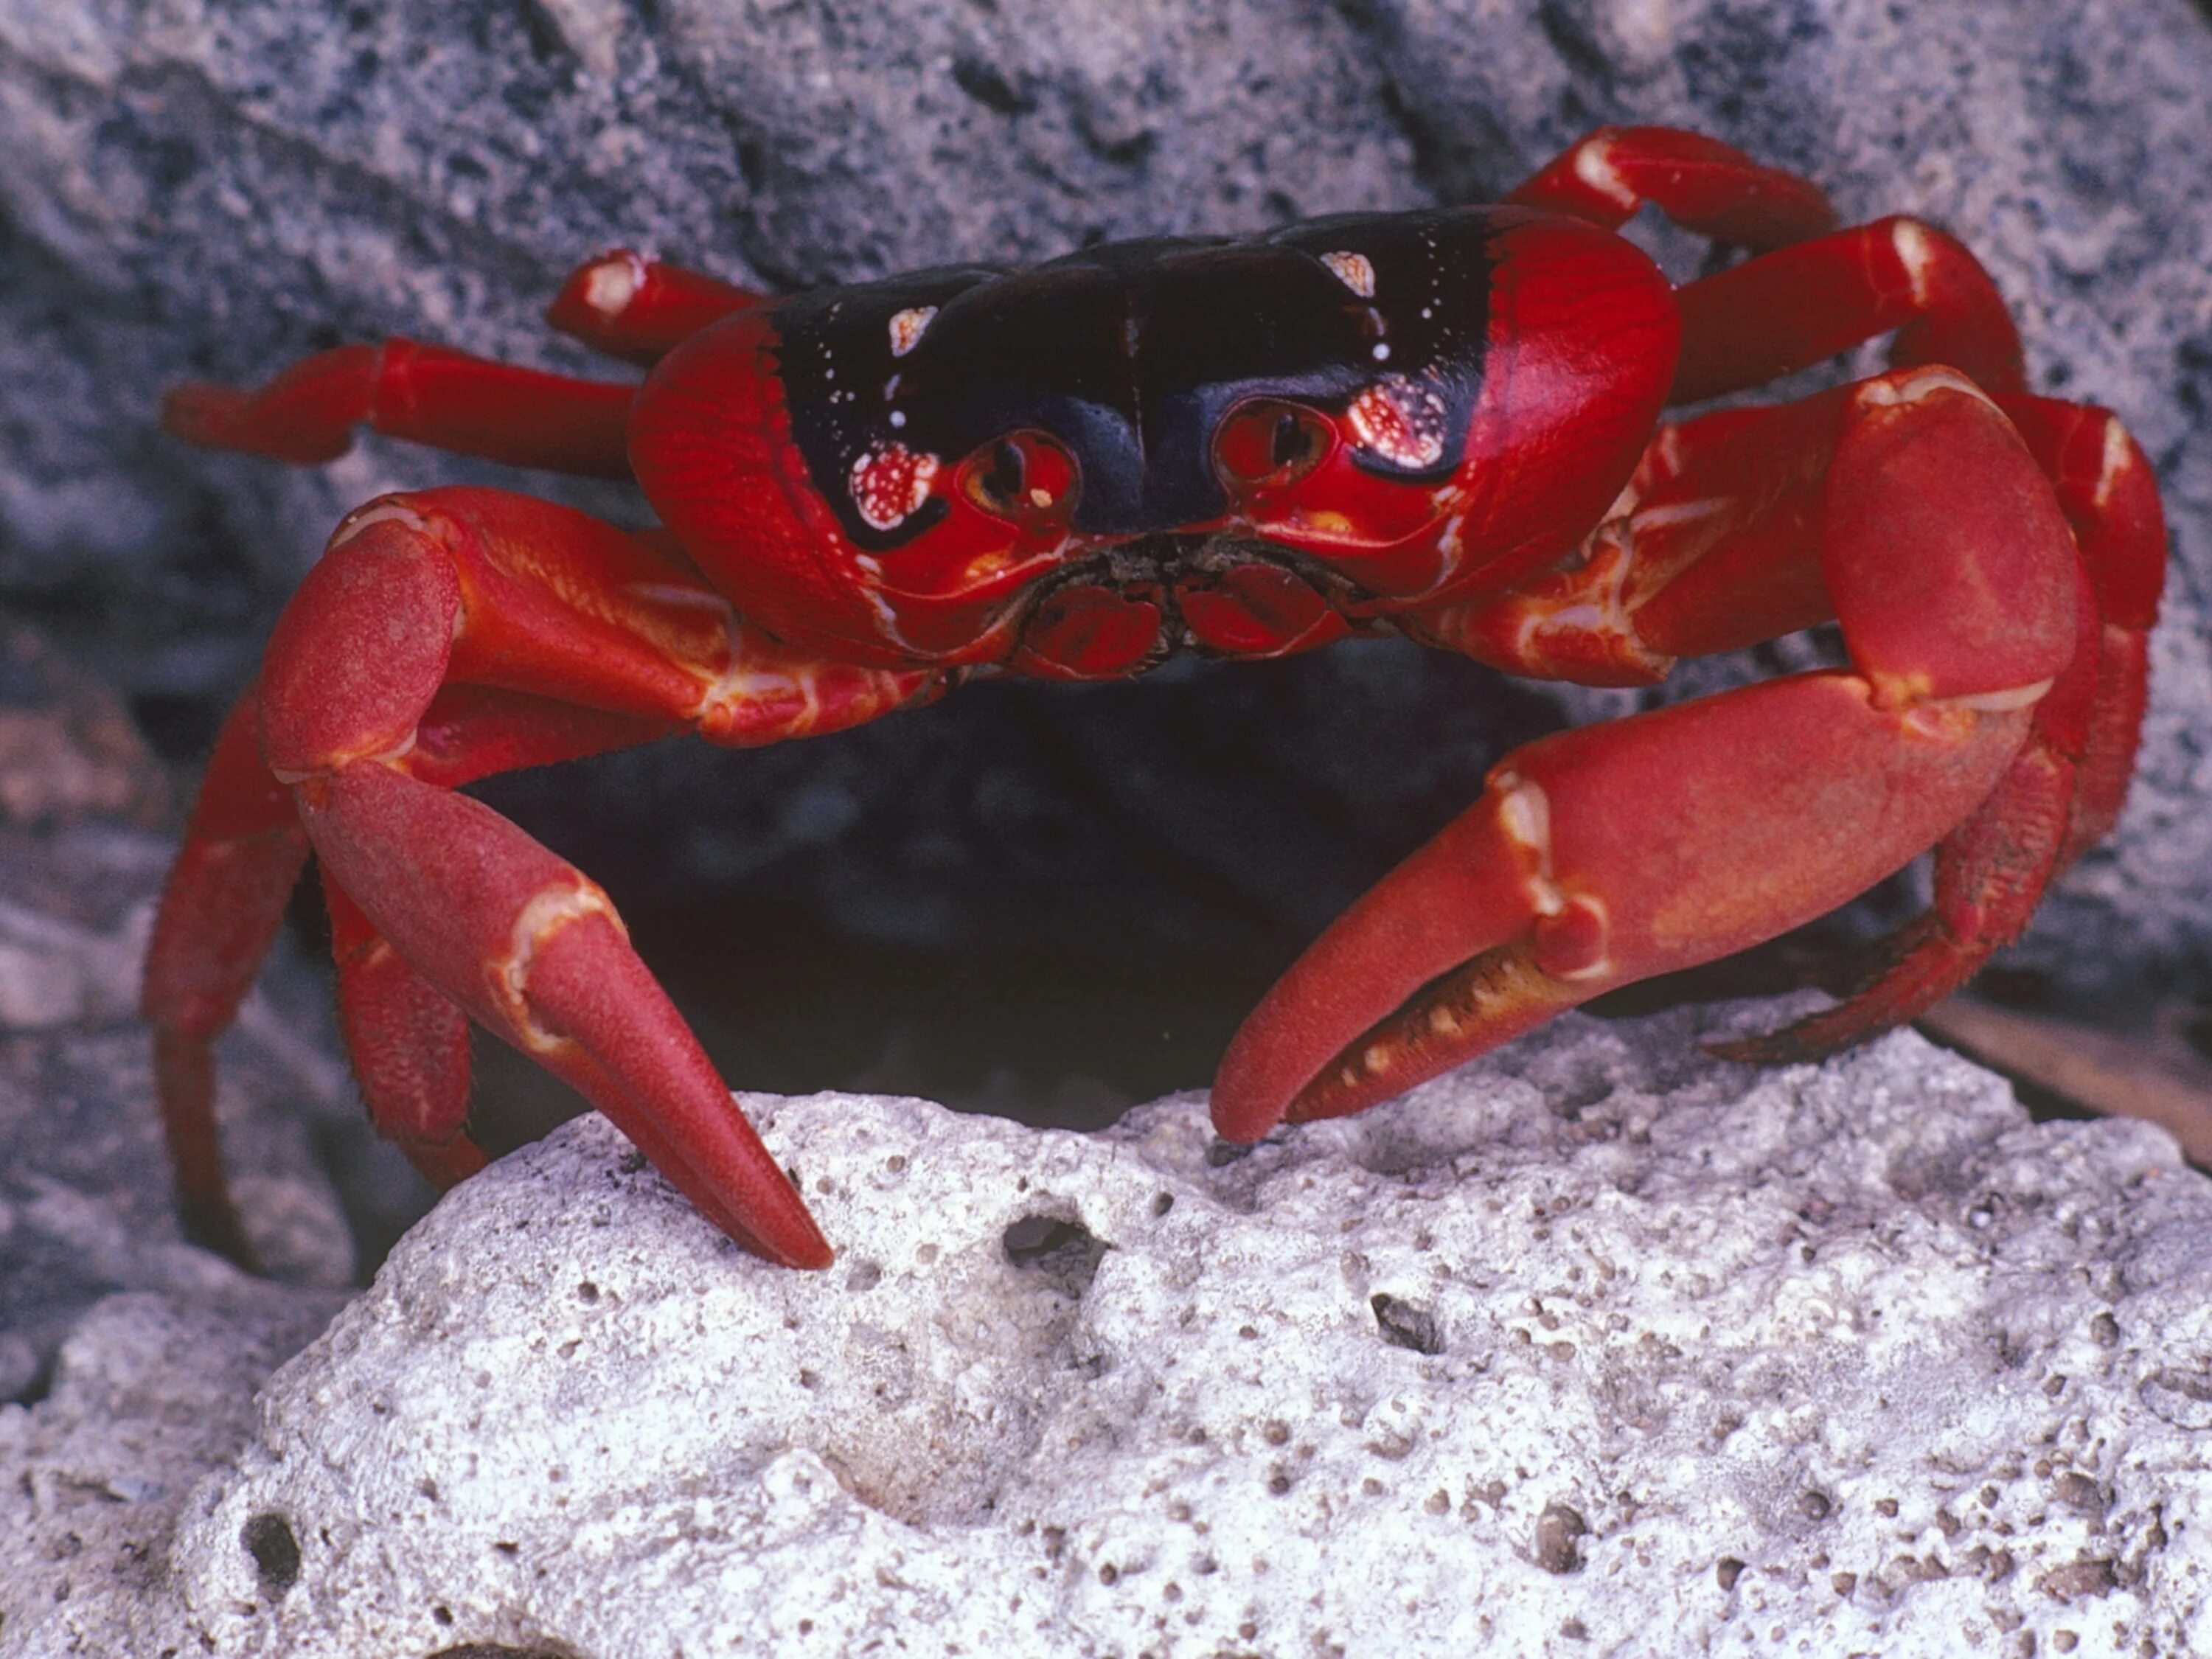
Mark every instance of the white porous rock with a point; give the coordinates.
(1592, 1347)
(149, 1392)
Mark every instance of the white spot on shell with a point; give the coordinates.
(1910, 238)
(1355, 271)
(1399, 420)
(898, 418)
(1594, 167)
(1910, 385)
(908, 326)
(2115, 461)
(2002, 703)
(889, 481)
(386, 510)
(1524, 812)
(1382, 352)
(613, 283)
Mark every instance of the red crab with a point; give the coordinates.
(1445, 423)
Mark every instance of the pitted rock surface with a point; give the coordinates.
(1593, 1346)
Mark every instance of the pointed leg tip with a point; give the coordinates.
(215, 1226)
(200, 412)
(1809, 1041)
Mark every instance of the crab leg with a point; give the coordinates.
(2109, 493)
(427, 394)
(1798, 306)
(243, 852)
(484, 606)
(639, 309)
(1802, 300)
(2065, 788)
(1701, 184)
(409, 1044)
(1610, 853)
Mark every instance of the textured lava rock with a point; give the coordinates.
(1591, 1348)
(194, 189)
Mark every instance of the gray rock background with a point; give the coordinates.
(193, 188)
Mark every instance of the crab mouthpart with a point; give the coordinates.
(1131, 604)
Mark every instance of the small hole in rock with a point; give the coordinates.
(268, 1538)
(587, 1291)
(1064, 1252)
(1407, 1324)
(442, 1613)
(1559, 1532)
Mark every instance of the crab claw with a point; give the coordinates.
(534, 950)
(1605, 855)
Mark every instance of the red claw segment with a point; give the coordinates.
(530, 949)
(482, 609)
(1989, 873)
(1615, 852)
(1469, 889)
(1605, 855)
(1950, 566)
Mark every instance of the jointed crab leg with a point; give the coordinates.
(639, 309)
(1803, 300)
(1701, 184)
(407, 1040)
(426, 393)
(1799, 306)
(2064, 789)
(1610, 854)
(2108, 495)
(244, 850)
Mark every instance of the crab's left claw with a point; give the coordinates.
(1602, 856)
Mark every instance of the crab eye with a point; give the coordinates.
(1270, 443)
(1024, 475)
